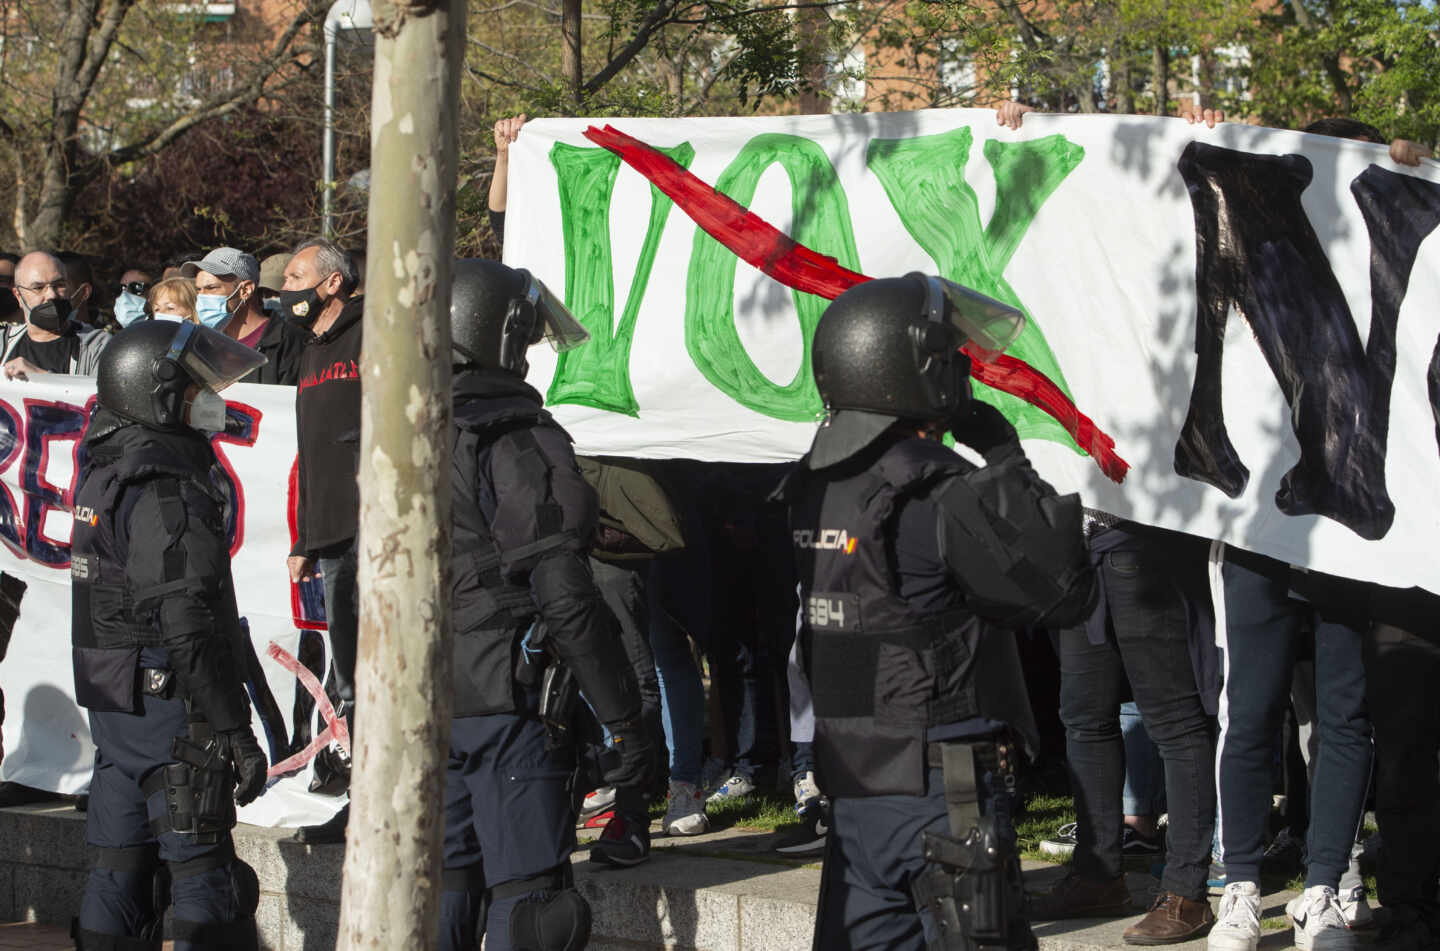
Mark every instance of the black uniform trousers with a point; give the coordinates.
(1401, 672)
(508, 817)
(873, 852)
(128, 747)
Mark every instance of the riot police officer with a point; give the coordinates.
(914, 565)
(155, 636)
(529, 623)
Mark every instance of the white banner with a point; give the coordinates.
(47, 737)
(1168, 271)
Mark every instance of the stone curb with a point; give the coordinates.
(719, 892)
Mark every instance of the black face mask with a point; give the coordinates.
(301, 306)
(52, 316)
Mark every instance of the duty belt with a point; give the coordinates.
(157, 682)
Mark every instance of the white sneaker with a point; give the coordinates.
(806, 791)
(1356, 909)
(737, 786)
(686, 813)
(596, 802)
(1237, 925)
(1319, 921)
(1352, 894)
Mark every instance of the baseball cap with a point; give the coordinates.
(272, 271)
(225, 262)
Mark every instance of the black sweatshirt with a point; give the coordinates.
(327, 422)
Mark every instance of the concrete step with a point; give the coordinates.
(724, 891)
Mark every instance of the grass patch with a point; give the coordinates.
(1041, 816)
(762, 810)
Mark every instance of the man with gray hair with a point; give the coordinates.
(319, 281)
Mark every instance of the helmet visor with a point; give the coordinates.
(990, 325)
(553, 320)
(210, 357)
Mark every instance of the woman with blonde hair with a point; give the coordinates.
(173, 299)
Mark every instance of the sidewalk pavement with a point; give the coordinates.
(725, 891)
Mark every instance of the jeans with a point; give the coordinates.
(1401, 672)
(1144, 793)
(1146, 643)
(682, 695)
(1263, 631)
(342, 613)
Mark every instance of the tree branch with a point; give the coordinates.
(247, 93)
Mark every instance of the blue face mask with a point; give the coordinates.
(211, 311)
(129, 308)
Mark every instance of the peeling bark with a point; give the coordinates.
(392, 885)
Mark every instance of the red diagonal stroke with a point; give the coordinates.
(765, 247)
(295, 761)
(335, 726)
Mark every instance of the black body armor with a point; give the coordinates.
(524, 518)
(882, 672)
(150, 567)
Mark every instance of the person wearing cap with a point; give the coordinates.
(272, 278)
(229, 299)
(227, 282)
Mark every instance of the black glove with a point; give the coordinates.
(635, 752)
(983, 428)
(244, 753)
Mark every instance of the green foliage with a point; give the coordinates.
(1373, 60)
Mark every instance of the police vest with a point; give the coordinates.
(881, 673)
(110, 623)
(491, 615)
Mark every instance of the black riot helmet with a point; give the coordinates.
(146, 369)
(889, 349)
(498, 312)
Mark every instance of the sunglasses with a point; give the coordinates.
(138, 288)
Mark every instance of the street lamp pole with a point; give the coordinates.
(343, 15)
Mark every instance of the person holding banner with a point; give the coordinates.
(319, 282)
(50, 343)
(914, 566)
(155, 634)
(532, 634)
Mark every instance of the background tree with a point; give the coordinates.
(91, 86)
(1374, 60)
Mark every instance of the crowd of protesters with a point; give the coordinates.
(1224, 715)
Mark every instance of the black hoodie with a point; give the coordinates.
(327, 433)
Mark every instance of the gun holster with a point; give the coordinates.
(971, 881)
(199, 787)
(559, 696)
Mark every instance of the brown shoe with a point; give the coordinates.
(1171, 919)
(1076, 896)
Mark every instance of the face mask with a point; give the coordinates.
(129, 308)
(206, 412)
(52, 316)
(211, 311)
(175, 317)
(301, 306)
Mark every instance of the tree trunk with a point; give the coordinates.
(570, 47)
(1123, 83)
(1161, 77)
(810, 41)
(392, 885)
